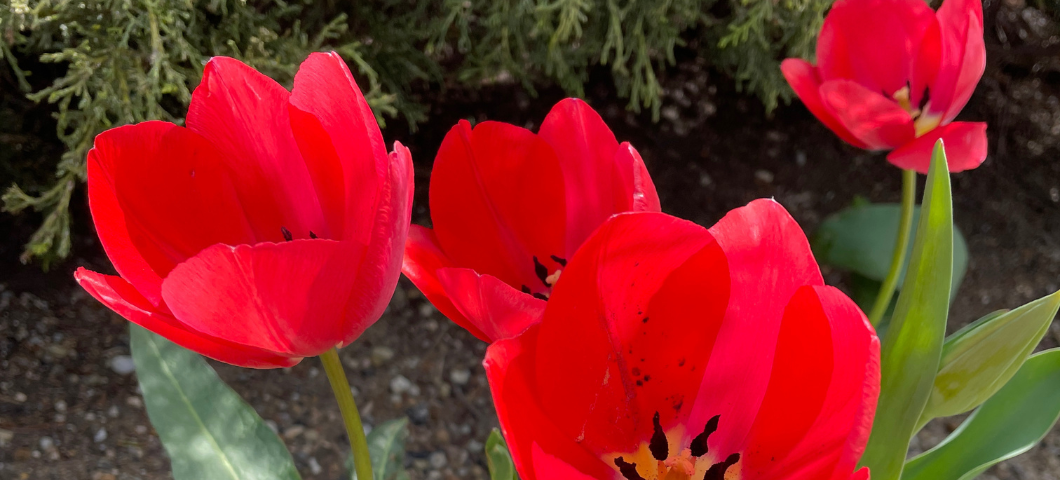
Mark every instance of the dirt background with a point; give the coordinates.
(69, 409)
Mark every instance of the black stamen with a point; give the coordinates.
(541, 296)
(561, 261)
(717, 471)
(924, 99)
(526, 289)
(286, 234)
(312, 235)
(541, 271)
(628, 470)
(699, 444)
(660, 449)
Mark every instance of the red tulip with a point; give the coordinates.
(668, 351)
(270, 229)
(509, 207)
(893, 74)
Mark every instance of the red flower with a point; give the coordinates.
(270, 229)
(509, 207)
(669, 351)
(893, 74)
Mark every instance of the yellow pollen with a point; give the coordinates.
(902, 97)
(552, 279)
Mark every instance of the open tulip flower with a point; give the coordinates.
(893, 74)
(269, 229)
(509, 207)
(671, 352)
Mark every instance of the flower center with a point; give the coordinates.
(922, 121)
(547, 279)
(654, 460)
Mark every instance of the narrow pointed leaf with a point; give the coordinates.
(911, 351)
(207, 429)
(386, 447)
(978, 360)
(1013, 421)
(498, 458)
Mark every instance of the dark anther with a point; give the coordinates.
(286, 234)
(628, 470)
(717, 471)
(312, 235)
(526, 289)
(660, 449)
(924, 100)
(541, 271)
(541, 296)
(699, 444)
(561, 261)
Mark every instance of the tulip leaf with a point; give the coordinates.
(860, 238)
(386, 448)
(207, 429)
(979, 359)
(910, 353)
(1011, 422)
(498, 458)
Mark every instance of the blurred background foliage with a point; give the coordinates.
(98, 64)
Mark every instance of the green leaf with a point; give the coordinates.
(860, 238)
(207, 429)
(498, 458)
(1010, 423)
(911, 351)
(979, 359)
(386, 447)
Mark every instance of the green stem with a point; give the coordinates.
(905, 227)
(362, 464)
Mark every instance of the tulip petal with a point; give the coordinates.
(379, 270)
(770, 259)
(120, 296)
(331, 120)
(244, 114)
(963, 56)
(803, 78)
(873, 42)
(159, 194)
(288, 297)
(615, 344)
(586, 151)
(634, 191)
(870, 117)
(497, 202)
(490, 305)
(529, 431)
(423, 258)
(818, 409)
(966, 148)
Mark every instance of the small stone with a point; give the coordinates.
(475, 446)
(381, 355)
(60, 406)
(438, 460)
(20, 397)
(764, 176)
(46, 443)
(113, 411)
(426, 309)
(122, 365)
(314, 466)
(460, 376)
(400, 384)
(142, 429)
(293, 432)
(6, 436)
(419, 414)
(134, 402)
(800, 158)
(100, 435)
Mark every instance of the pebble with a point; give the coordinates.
(438, 460)
(381, 355)
(460, 376)
(293, 432)
(419, 414)
(60, 406)
(6, 436)
(46, 443)
(113, 411)
(134, 402)
(314, 466)
(122, 365)
(100, 435)
(400, 384)
(475, 446)
(764, 176)
(20, 397)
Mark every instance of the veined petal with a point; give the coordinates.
(423, 258)
(634, 191)
(244, 114)
(120, 296)
(288, 297)
(872, 118)
(490, 305)
(804, 79)
(963, 57)
(966, 148)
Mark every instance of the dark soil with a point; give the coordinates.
(67, 413)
